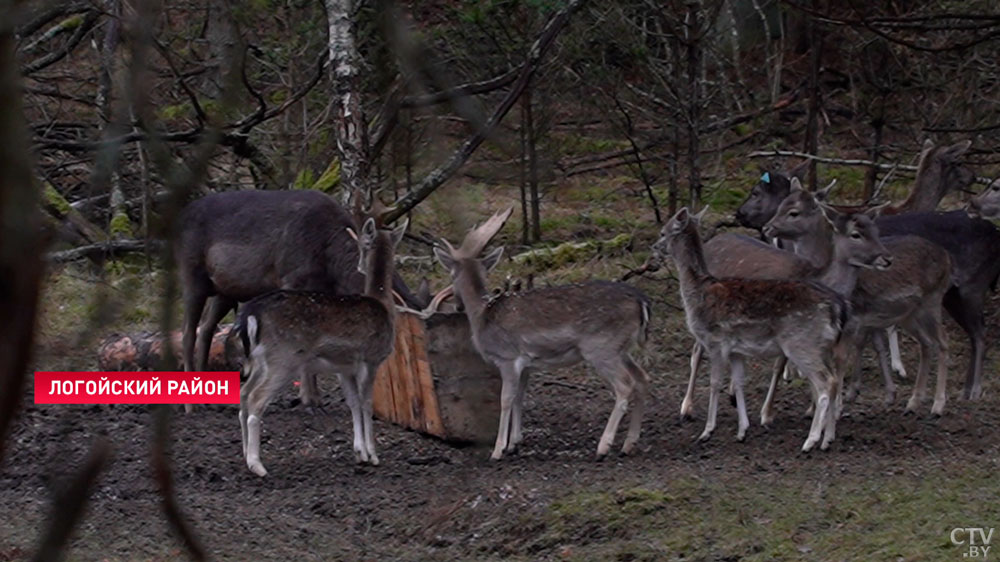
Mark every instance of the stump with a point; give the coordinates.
(435, 381)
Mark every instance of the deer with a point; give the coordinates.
(596, 322)
(733, 255)
(290, 332)
(938, 172)
(909, 294)
(234, 246)
(986, 205)
(972, 243)
(735, 318)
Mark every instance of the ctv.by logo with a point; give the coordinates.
(977, 539)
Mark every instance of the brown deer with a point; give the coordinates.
(290, 333)
(729, 255)
(737, 318)
(972, 243)
(237, 245)
(558, 326)
(908, 294)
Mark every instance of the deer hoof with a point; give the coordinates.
(257, 468)
(497, 455)
(628, 448)
(937, 410)
(809, 444)
(705, 436)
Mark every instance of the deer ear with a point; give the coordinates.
(681, 220)
(794, 184)
(398, 232)
(368, 230)
(445, 258)
(928, 144)
(799, 171)
(958, 149)
(824, 194)
(701, 214)
(492, 259)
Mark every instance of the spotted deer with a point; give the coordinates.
(909, 294)
(972, 243)
(288, 333)
(595, 322)
(737, 318)
(734, 256)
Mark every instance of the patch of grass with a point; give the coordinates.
(792, 517)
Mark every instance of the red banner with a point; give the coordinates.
(164, 387)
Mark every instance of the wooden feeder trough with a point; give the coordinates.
(435, 381)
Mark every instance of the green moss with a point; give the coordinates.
(55, 200)
(330, 180)
(120, 226)
(176, 111)
(304, 179)
(72, 22)
(572, 252)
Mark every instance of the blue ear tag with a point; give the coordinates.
(766, 178)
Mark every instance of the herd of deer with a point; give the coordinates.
(319, 298)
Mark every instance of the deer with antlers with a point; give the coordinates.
(596, 322)
(294, 333)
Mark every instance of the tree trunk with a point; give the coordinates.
(694, 101)
(815, 96)
(523, 178)
(529, 124)
(878, 124)
(351, 126)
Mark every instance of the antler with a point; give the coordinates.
(479, 237)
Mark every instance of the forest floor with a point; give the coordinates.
(892, 486)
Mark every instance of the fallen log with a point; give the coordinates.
(435, 381)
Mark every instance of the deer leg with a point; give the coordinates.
(968, 313)
(767, 410)
(621, 382)
(814, 369)
(510, 378)
(896, 358)
(366, 385)
(879, 340)
(737, 379)
(254, 400)
(516, 420)
(254, 379)
(687, 406)
(717, 368)
(920, 384)
(218, 307)
(941, 387)
(349, 385)
(640, 382)
(194, 303)
(855, 387)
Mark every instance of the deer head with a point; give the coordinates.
(467, 269)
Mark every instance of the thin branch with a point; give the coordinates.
(442, 173)
(106, 249)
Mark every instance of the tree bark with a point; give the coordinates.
(694, 101)
(351, 126)
(529, 124)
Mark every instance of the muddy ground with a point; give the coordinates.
(891, 487)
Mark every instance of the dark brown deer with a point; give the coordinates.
(908, 294)
(558, 326)
(737, 318)
(234, 246)
(938, 173)
(972, 243)
(292, 333)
